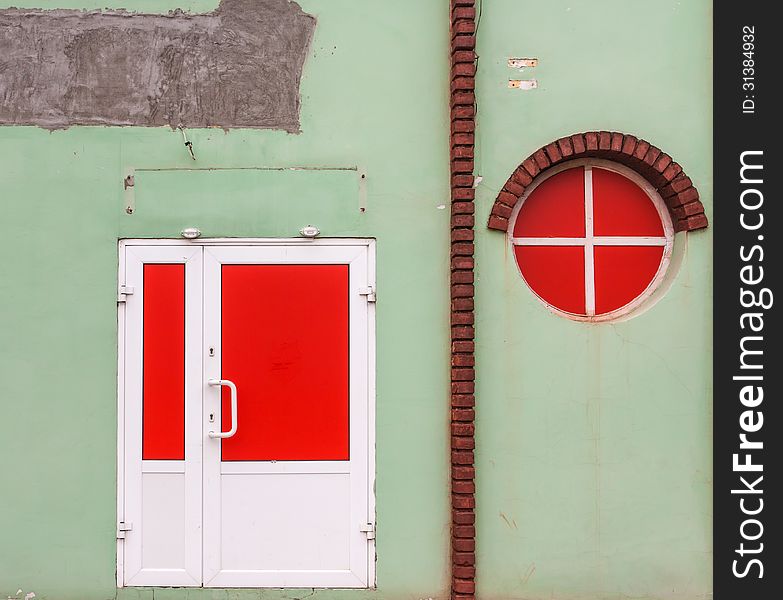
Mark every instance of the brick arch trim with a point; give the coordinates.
(657, 167)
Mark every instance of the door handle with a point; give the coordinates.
(230, 385)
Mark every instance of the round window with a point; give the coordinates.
(592, 239)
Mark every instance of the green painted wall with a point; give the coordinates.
(370, 103)
(593, 441)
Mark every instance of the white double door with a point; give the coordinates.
(245, 418)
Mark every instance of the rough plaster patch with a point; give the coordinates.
(237, 66)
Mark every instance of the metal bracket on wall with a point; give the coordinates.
(523, 84)
(128, 184)
(362, 189)
(521, 63)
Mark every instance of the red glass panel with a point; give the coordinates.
(622, 273)
(621, 207)
(163, 386)
(556, 274)
(556, 208)
(285, 345)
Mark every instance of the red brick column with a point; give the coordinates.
(463, 124)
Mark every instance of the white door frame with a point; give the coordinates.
(131, 245)
(133, 468)
(356, 470)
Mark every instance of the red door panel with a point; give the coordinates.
(285, 346)
(163, 386)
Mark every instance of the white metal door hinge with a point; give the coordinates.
(123, 292)
(368, 529)
(368, 291)
(122, 528)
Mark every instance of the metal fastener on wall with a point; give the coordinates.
(521, 63)
(190, 233)
(523, 84)
(309, 231)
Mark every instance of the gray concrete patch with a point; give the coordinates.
(238, 66)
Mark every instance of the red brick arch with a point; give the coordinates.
(657, 167)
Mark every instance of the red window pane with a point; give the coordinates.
(622, 273)
(556, 208)
(556, 274)
(589, 276)
(163, 385)
(622, 208)
(285, 345)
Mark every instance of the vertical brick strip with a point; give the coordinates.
(462, 143)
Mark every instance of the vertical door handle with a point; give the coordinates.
(233, 388)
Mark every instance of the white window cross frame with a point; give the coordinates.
(590, 241)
